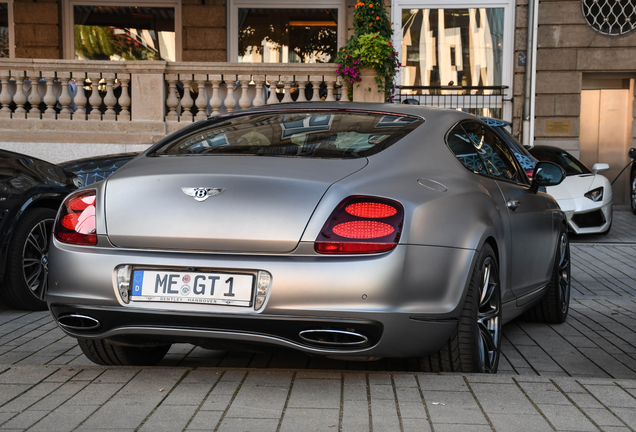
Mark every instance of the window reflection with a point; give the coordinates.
(4, 30)
(124, 33)
(452, 47)
(287, 35)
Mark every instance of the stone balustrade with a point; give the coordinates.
(154, 91)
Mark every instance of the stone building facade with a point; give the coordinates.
(584, 84)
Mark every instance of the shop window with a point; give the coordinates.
(268, 35)
(461, 47)
(124, 32)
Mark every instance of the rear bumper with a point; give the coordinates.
(404, 302)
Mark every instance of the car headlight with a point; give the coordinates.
(595, 194)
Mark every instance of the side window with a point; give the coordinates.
(464, 150)
(497, 156)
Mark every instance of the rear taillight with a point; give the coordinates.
(361, 224)
(75, 222)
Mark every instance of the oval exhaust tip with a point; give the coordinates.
(334, 338)
(78, 322)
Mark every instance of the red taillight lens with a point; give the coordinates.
(75, 223)
(361, 224)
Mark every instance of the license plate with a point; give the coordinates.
(192, 287)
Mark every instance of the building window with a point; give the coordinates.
(7, 46)
(285, 31)
(124, 33)
(287, 35)
(122, 29)
(461, 47)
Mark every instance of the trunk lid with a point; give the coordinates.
(264, 207)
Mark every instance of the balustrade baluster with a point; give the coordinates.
(65, 97)
(259, 99)
(49, 97)
(34, 97)
(186, 101)
(20, 97)
(330, 81)
(315, 85)
(230, 100)
(287, 84)
(273, 98)
(95, 100)
(202, 99)
(124, 98)
(172, 101)
(5, 96)
(109, 99)
(215, 101)
(244, 102)
(80, 98)
(301, 82)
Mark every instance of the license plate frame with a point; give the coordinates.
(185, 286)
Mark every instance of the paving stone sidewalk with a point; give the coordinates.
(576, 376)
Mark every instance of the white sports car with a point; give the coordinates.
(585, 196)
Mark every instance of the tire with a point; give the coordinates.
(554, 307)
(632, 192)
(27, 261)
(475, 345)
(105, 353)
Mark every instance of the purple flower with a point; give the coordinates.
(345, 70)
(399, 64)
(390, 57)
(355, 75)
(338, 65)
(355, 62)
(350, 80)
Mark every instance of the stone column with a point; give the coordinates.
(148, 90)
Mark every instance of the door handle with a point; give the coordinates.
(513, 204)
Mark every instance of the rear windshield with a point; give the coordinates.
(565, 160)
(313, 134)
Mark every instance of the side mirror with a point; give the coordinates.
(632, 153)
(547, 174)
(600, 167)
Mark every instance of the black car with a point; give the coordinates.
(97, 168)
(31, 191)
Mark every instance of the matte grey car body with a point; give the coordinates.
(404, 302)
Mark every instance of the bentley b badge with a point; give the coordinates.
(201, 194)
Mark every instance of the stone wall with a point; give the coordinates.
(567, 47)
(37, 29)
(204, 30)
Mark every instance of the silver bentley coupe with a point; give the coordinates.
(348, 230)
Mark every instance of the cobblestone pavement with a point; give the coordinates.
(577, 376)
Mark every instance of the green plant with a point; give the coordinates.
(370, 46)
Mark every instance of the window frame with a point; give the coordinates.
(233, 6)
(68, 21)
(11, 26)
(509, 6)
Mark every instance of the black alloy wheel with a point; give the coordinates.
(554, 307)
(475, 346)
(28, 261)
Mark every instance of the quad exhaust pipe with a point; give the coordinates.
(334, 338)
(78, 322)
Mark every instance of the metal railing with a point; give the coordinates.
(487, 101)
